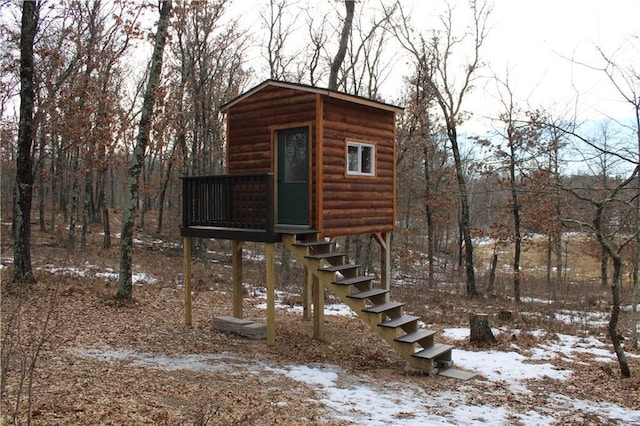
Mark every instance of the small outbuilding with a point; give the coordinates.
(331, 155)
(305, 165)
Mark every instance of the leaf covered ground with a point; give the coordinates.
(106, 362)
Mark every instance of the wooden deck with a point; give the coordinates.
(236, 207)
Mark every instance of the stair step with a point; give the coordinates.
(324, 255)
(399, 322)
(384, 307)
(415, 336)
(354, 280)
(313, 243)
(368, 293)
(339, 268)
(434, 351)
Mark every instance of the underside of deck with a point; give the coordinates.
(246, 234)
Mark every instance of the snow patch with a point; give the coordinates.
(361, 400)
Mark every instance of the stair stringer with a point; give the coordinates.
(407, 350)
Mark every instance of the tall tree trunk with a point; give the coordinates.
(558, 209)
(616, 297)
(465, 216)
(604, 268)
(636, 292)
(102, 206)
(344, 42)
(125, 279)
(112, 186)
(22, 270)
(549, 268)
(63, 187)
(492, 271)
(163, 193)
(429, 214)
(87, 215)
(106, 240)
(460, 244)
(515, 208)
(636, 270)
(559, 264)
(615, 315)
(75, 191)
(41, 188)
(53, 171)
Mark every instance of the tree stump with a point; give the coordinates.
(480, 329)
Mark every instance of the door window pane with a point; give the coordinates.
(295, 159)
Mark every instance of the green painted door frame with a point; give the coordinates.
(293, 176)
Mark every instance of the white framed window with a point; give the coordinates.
(361, 159)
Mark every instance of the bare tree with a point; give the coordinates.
(423, 161)
(522, 140)
(338, 59)
(209, 56)
(315, 47)
(613, 246)
(125, 279)
(436, 54)
(617, 199)
(365, 65)
(22, 269)
(625, 80)
(280, 27)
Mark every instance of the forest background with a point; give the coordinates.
(523, 174)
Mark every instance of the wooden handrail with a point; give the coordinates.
(238, 201)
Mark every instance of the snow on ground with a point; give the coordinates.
(362, 400)
(260, 293)
(109, 274)
(336, 309)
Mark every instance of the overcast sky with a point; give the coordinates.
(536, 38)
(533, 39)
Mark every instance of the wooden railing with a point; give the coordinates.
(228, 202)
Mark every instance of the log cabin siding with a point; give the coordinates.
(339, 203)
(251, 121)
(357, 204)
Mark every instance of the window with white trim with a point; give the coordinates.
(361, 159)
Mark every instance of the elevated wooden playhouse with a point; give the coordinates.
(306, 165)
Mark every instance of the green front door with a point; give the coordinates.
(293, 176)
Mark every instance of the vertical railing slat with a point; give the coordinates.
(229, 201)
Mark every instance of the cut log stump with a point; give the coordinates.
(480, 329)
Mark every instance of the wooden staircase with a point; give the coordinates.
(372, 304)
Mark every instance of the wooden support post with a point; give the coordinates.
(237, 278)
(307, 292)
(186, 275)
(384, 239)
(271, 295)
(318, 309)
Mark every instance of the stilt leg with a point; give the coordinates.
(318, 309)
(307, 292)
(384, 240)
(271, 303)
(237, 278)
(186, 242)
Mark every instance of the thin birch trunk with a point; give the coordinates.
(125, 279)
